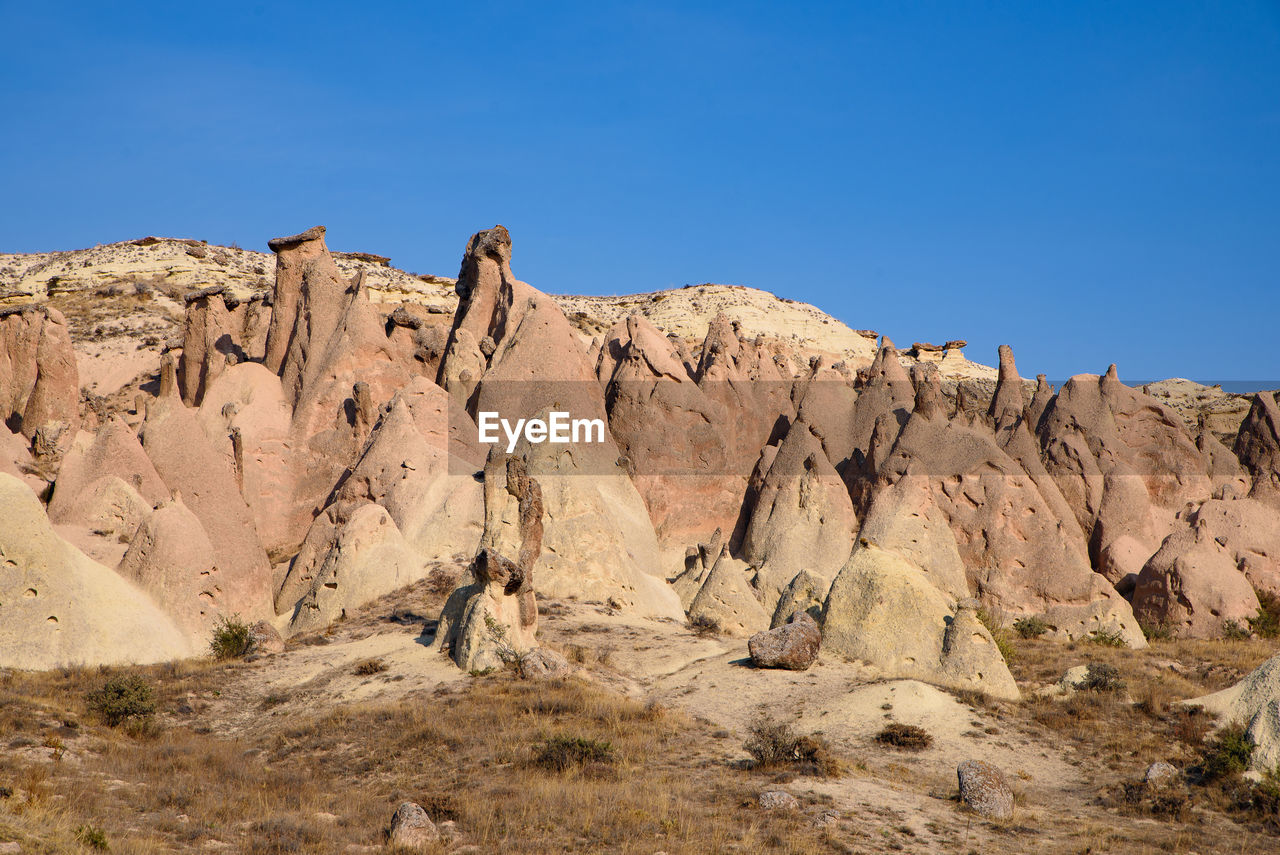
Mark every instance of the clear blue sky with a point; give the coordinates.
(1089, 182)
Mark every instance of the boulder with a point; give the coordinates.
(793, 646)
(542, 663)
(777, 800)
(411, 828)
(59, 608)
(266, 638)
(984, 790)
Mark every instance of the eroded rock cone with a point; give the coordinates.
(493, 618)
(793, 646)
(805, 593)
(883, 610)
(1192, 586)
(1258, 447)
(802, 517)
(1017, 554)
(1255, 703)
(61, 608)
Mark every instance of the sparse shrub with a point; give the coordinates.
(369, 667)
(281, 835)
(1233, 631)
(1227, 754)
(231, 639)
(995, 625)
(1030, 627)
(908, 737)
(1108, 638)
(1158, 632)
(1267, 623)
(93, 837)
(1101, 677)
(704, 626)
(122, 699)
(273, 700)
(773, 744)
(561, 753)
(441, 582)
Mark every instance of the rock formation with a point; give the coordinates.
(58, 607)
(883, 610)
(39, 382)
(492, 618)
(793, 646)
(1255, 703)
(1192, 586)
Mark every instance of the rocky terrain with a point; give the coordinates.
(792, 546)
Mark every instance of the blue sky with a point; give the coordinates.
(1088, 182)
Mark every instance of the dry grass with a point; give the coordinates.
(652, 780)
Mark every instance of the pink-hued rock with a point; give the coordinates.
(1096, 425)
(672, 435)
(218, 330)
(802, 517)
(191, 466)
(1192, 586)
(39, 382)
(113, 450)
(172, 558)
(1258, 447)
(1017, 555)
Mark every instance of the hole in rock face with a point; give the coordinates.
(30, 593)
(51, 619)
(332, 586)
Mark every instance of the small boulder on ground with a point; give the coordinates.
(411, 828)
(544, 664)
(1160, 773)
(984, 790)
(793, 646)
(266, 639)
(778, 800)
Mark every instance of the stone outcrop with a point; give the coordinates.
(1018, 555)
(369, 558)
(58, 607)
(806, 594)
(219, 330)
(189, 465)
(727, 600)
(1192, 586)
(492, 617)
(883, 610)
(1097, 426)
(802, 517)
(672, 434)
(793, 646)
(172, 559)
(1255, 703)
(39, 381)
(1258, 447)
